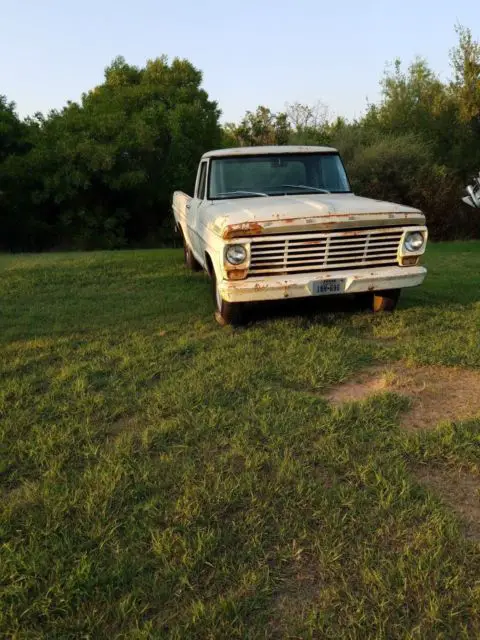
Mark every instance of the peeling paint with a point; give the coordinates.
(341, 222)
(241, 230)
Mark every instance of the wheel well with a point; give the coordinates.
(209, 264)
(180, 231)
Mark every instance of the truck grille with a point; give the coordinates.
(298, 252)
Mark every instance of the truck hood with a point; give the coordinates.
(279, 214)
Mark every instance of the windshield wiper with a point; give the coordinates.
(248, 193)
(304, 186)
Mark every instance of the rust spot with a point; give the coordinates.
(243, 229)
(371, 287)
(237, 274)
(322, 222)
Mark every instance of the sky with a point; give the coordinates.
(251, 52)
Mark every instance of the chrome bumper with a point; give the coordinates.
(300, 286)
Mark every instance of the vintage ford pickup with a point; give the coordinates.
(268, 223)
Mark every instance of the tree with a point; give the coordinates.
(109, 165)
(16, 139)
(465, 59)
(13, 133)
(261, 127)
(416, 101)
(309, 123)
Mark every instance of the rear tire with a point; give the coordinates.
(385, 300)
(189, 258)
(226, 312)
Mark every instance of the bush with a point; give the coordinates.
(403, 169)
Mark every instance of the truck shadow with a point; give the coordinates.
(320, 308)
(307, 308)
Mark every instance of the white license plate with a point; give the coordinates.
(328, 287)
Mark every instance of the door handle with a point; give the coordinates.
(187, 206)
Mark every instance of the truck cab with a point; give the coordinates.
(269, 223)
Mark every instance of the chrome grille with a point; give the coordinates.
(298, 252)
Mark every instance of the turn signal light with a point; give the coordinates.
(410, 261)
(237, 274)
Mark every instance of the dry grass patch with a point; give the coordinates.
(302, 590)
(460, 490)
(436, 393)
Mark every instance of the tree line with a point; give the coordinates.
(100, 173)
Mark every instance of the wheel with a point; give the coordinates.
(225, 312)
(189, 259)
(385, 300)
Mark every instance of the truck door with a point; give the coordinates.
(194, 215)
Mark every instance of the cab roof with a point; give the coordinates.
(266, 150)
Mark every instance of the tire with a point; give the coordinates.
(385, 300)
(189, 259)
(226, 312)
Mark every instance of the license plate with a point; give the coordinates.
(328, 287)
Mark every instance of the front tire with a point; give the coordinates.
(385, 300)
(226, 312)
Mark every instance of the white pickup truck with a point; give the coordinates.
(268, 223)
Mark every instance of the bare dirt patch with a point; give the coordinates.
(460, 490)
(436, 393)
(302, 588)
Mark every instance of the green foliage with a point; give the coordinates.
(309, 124)
(260, 128)
(466, 79)
(13, 132)
(107, 167)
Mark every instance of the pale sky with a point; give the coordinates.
(250, 52)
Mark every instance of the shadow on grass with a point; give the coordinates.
(427, 296)
(308, 309)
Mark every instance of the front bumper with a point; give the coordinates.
(300, 286)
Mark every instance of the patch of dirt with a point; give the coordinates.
(300, 590)
(436, 393)
(459, 490)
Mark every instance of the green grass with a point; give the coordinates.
(164, 478)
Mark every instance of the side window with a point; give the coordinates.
(202, 180)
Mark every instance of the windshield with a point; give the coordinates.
(273, 175)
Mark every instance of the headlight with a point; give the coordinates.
(414, 241)
(236, 254)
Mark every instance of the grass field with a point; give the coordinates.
(165, 478)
